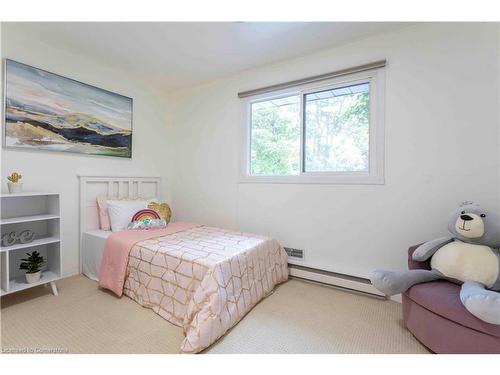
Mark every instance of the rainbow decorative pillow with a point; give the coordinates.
(146, 215)
(147, 219)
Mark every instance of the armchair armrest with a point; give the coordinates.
(413, 264)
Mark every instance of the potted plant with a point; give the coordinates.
(32, 265)
(14, 185)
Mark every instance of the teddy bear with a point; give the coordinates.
(470, 256)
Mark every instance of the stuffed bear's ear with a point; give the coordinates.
(465, 203)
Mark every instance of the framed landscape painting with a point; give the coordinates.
(45, 111)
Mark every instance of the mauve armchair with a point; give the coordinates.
(434, 314)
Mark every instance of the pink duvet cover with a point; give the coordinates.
(201, 278)
(117, 248)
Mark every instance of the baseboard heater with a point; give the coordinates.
(353, 283)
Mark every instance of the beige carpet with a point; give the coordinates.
(298, 318)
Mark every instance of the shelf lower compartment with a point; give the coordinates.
(38, 212)
(19, 283)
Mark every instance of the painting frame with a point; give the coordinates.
(87, 149)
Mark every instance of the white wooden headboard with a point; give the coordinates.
(92, 186)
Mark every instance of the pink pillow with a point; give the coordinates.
(102, 207)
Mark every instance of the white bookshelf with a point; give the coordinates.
(39, 212)
(26, 219)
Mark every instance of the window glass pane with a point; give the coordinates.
(275, 137)
(337, 129)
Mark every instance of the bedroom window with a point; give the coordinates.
(336, 124)
(275, 137)
(331, 132)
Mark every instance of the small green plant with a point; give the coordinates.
(33, 263)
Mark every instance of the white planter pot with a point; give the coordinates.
(33, 277)
(16, 187)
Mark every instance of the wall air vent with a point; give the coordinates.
(295, 253)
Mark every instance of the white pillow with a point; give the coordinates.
(121, 212)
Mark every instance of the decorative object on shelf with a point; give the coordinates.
(32, 265)
(25, 236)
(14, 185)
(9, 239)
(163, 209)
(46, 111)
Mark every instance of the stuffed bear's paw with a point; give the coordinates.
(385, 281)
(480, 302)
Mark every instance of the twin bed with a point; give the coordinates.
(201, 278)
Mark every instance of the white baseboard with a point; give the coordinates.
(338, 280)
(397, 298)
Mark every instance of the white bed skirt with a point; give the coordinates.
(92, 251)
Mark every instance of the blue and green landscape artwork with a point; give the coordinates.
(45, 111)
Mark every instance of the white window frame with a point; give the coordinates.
(375, 174)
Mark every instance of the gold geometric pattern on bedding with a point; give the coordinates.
(204, 279)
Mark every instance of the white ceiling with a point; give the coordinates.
(171, 55)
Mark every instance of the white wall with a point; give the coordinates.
(442, 147)
(48, 171)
